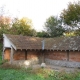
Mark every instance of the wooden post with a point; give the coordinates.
(25, 55)
(67, 55)
(11, 55)
(3, 53)
(3, 50)
(43, 56)
(43, 45)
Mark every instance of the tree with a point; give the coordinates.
(33, 32)
(42, 34)
(5, 22)
(53, 27)
(4, 25)
(77, 32)
(22, 26)
(71, 15)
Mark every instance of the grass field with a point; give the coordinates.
(11, 74)
(39, 74)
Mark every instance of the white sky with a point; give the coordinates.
(37, 10)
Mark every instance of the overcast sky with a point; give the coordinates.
(37, 10)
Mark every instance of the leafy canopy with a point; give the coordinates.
(53, 26)
(71, 14)
(4, 25)
(22, 26)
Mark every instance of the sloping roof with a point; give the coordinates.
(25, 42)
(60, 43)
(64, 43)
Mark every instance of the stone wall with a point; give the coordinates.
(60, 58)
(62, 63)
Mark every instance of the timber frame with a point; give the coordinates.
(51, 49)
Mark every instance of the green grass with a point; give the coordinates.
(38, 74)
(11, 74)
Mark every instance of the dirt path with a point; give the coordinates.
(57, 68)
(53, 67)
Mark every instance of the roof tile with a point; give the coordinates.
(59, 43)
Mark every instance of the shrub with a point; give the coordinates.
(3, 61)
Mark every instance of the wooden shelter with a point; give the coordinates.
(63, 51)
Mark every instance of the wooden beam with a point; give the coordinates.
(25, 55)
(43, 56)
(67, 55)
(3, 50)
(3, 53)
(11, 55)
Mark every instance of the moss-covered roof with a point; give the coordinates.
(59, 43)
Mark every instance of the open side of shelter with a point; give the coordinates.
(55, 51)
